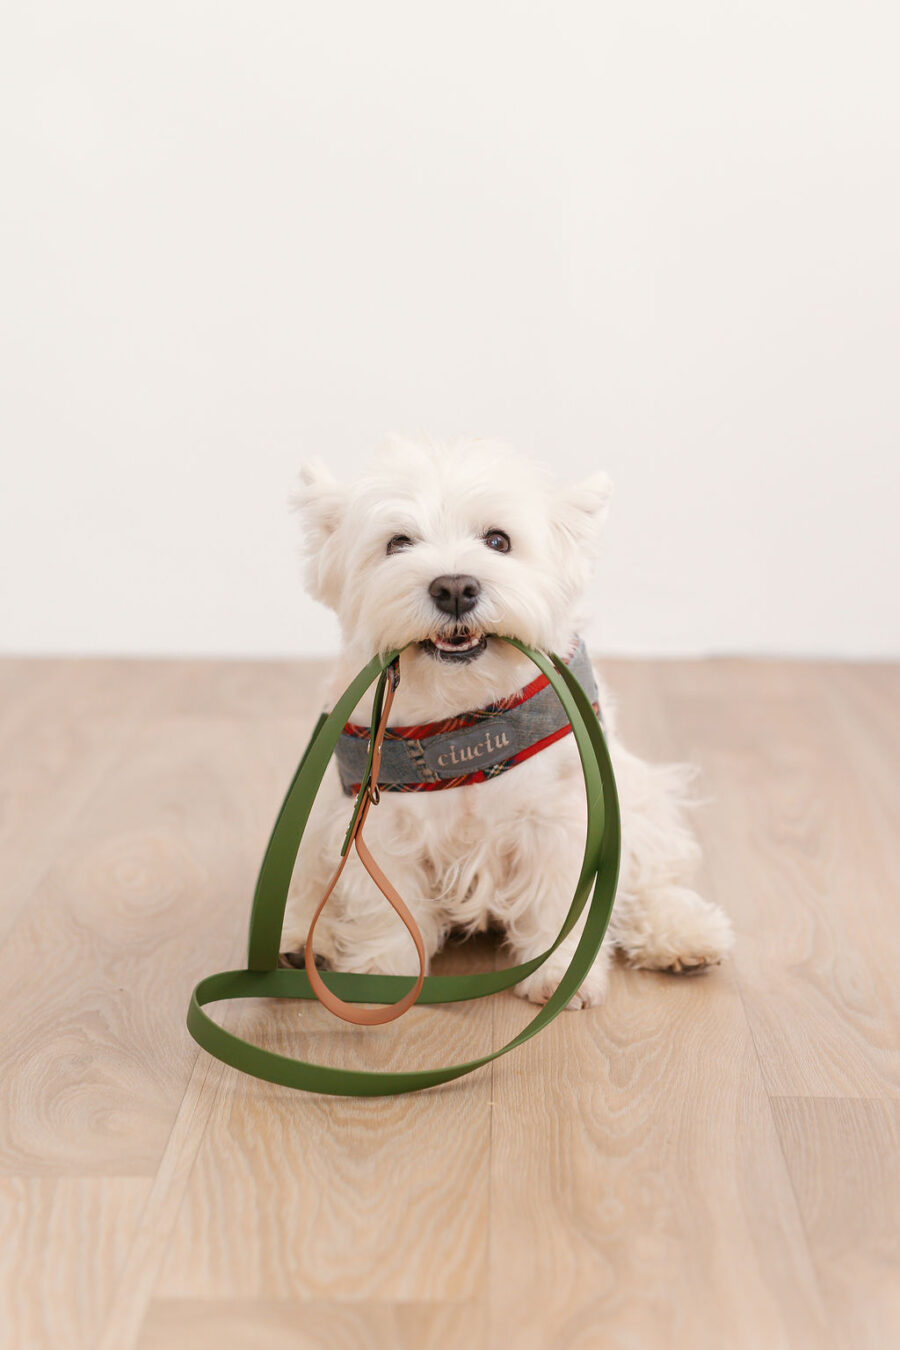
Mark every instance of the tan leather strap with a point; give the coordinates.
(353, 1012)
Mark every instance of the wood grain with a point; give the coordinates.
(644, 1199)
(368, 1190)
(706, 1161)
(280, 1324)
(63, 1243)
(152, 885)
(844, 1158)
(799, 851)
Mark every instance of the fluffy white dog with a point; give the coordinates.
(440, 546)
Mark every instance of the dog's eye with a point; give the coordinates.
(497, 540)
(399, 542)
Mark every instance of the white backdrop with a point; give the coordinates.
(658, 238)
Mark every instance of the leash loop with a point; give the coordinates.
(263, 979)
(368, 796)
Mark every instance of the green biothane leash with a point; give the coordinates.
(264, 979)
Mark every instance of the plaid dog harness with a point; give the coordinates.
(470, 747)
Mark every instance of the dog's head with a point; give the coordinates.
(442, 545)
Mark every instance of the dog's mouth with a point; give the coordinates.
(458, 646)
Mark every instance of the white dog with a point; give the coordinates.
(441, 546)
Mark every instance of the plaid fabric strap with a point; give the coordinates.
(469, 748)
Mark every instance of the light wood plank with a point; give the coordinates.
(20, 679)
(797, 855)
(62, 1246)
(656, 1208)
(46, 777)
(75, 688)
(844, 1159)
(240, 1324)
(146, 1251)
(150, 893)
(64, 726)
(863, 704)
(639, 1194)
(387, 1197)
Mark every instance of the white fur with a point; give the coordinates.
(505, 852)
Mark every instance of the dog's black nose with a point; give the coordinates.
(455, 595)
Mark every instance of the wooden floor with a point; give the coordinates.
(704, 1162)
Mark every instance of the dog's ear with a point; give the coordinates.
(581, 511)
(319, 499)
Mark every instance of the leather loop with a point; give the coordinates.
(367, 1017)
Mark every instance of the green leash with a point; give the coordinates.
(263, 978)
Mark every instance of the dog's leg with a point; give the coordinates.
(670, 928)
(658, 922)
(544, 872)
(541, 983)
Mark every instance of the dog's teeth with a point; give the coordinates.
(446, 645)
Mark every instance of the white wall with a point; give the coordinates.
(656, 237)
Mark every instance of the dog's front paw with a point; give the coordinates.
(677, 931)
(544, 981)
(296, 960)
